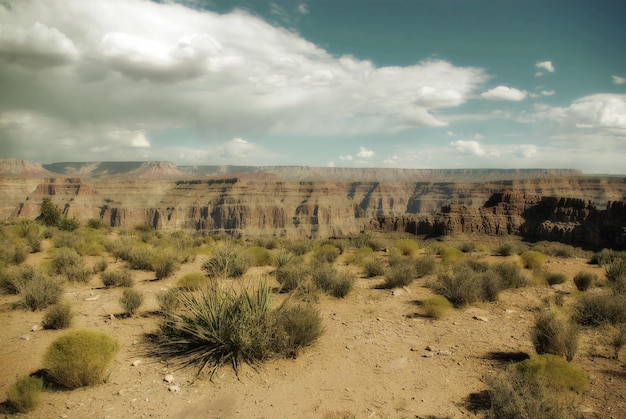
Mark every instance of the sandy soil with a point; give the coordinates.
(378, 357)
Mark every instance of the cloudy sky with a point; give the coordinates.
(345, 83)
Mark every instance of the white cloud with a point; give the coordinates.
(346, 157)
(469, 147)
(504, 93)
(601, 111)
(619, 80)
(548, 93)
(365, 153)
(545, 65)
(161, 66)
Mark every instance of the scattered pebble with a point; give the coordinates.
(93, 298)
(25, 337)
(482, 319)
(36, 327)
(135, 362)
(174, 389)
(169, 378)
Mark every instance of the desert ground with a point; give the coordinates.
(379, 356)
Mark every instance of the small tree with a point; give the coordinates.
(50, 215)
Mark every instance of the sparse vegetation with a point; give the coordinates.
(555, 278)
(600, 308)
(40, 291)
(326, 253)
(192, 281)
(400, 274)
(50, 215)
(553, 372)
(553, 334)
(131, 300)
(68, 263)
(451, 255)
(617, 340)
(292, 276)
(24, 395)
(227, 261)
(584, 280)
(329, 280)
(373, 267)
(169, 301)
(436, 306)
(58, 316)
(407, 247)
(120, 277)
(531, 259)
(260, 256)
(80, 358)
(616, 270)
(425, 265)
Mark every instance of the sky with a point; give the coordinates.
(339, 83)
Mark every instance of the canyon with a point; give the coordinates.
(243, 201)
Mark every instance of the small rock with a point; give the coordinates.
(397, 291)
(482, 319)
(174, 389)
(135, 362)
(406, 289)
(169, 378)
(36, 327)
(25, 337)
(444, 353)
(428, 355)
(93, 298)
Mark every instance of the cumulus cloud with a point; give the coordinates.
(346, 157)
(504, 93)
(545, 65)
(619, 80)
(601, 111)
(365, 153)
(159, 67)
(470, 147)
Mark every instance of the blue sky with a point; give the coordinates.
(345, 83)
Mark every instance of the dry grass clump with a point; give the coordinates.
(292, 276)
(169, 300)
(58, 316)
(559, 250)
(553, 334)
(506, 248)
(600, 308)
(193, 281)
(326, 253)
(14, 251)
(407, 247)
(425, 265)
(24, 395)
(531, 259)
(367, 240)
(80, 358)
(227, 261)
(131, 300)
(68, 263)
(401, 273)
(615, 271)
(219, 326)
(555, 278)
(121, 277)
(584, 280)
(327, 279)
(283, 258)
(260, 256)
(451, 255)
(12, 277)
(460, 285)
(606, 256)
(511, 275)
(553, 372)
(40, 291)
(299, 247)
(373, 267)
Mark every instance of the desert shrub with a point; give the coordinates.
(100, 266)
(329, 280)
(40, 291)
(477, 265)
(511, 275)
(373, 267)
(555, 335)
(283, 257)
(367, 239)
(120, 248)
(268, 242)
(531, 259)
(326, 253)
(435, 248)
(80, 358)
(467, 247)
(505, 249)
(606, 256)
(490, 285)
(584, 280)
(597, 309)
(117, 278)
(553, 372)
(513, 396)
(141, 258)
(555, 249)
(436, 306)
(227, 261)
(131, 300)
(617, 340)
(260, 256)
(407, 247)
(292, 276)
(14, 252)
(165, 263)
(68, 263)
(24, 395)
(555, 278)
(12, 277)
(615, 270)
(401, 274)
(66, 239)
(169, 301)
(220, 326)
(69, 224)
(362, 255)
(460, 286)
(425, 266)
(95, 223)
(451, 255)
(58, 316)
(192, 281)
(299, 247)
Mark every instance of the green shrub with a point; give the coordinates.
(584, 280)
(460, 286)
(555, 278)
(69, 224)
(599, 308)
(95, 223)
(131, 300)
(555, 335)
(283, 258)
(80, 358)
(50, 215)
(40, 291)
(141, 258)
(425, 265)
(362, 255)
(606, 256)
(220, 326)
(15, 252)
(12, 277)
(555, 249)
(436, 306)
(260, 256)
(58, 316)
(24, 395)
(401, 274)
(299, 247)
(467, 247)
(366, 239)
(326, 253)
(117, 278)
(511, 275)
(490, 285)
(68, 263)
(169, 301)
(532, 259)
(227, 261)
(452, 255)
(505, 249)
(165, 263)
(407, 247)
(373, 267)
(292, 276)
(553, 372)
(329, 280)
(192, 281)
(477, 265)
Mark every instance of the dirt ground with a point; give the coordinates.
(378, 358)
